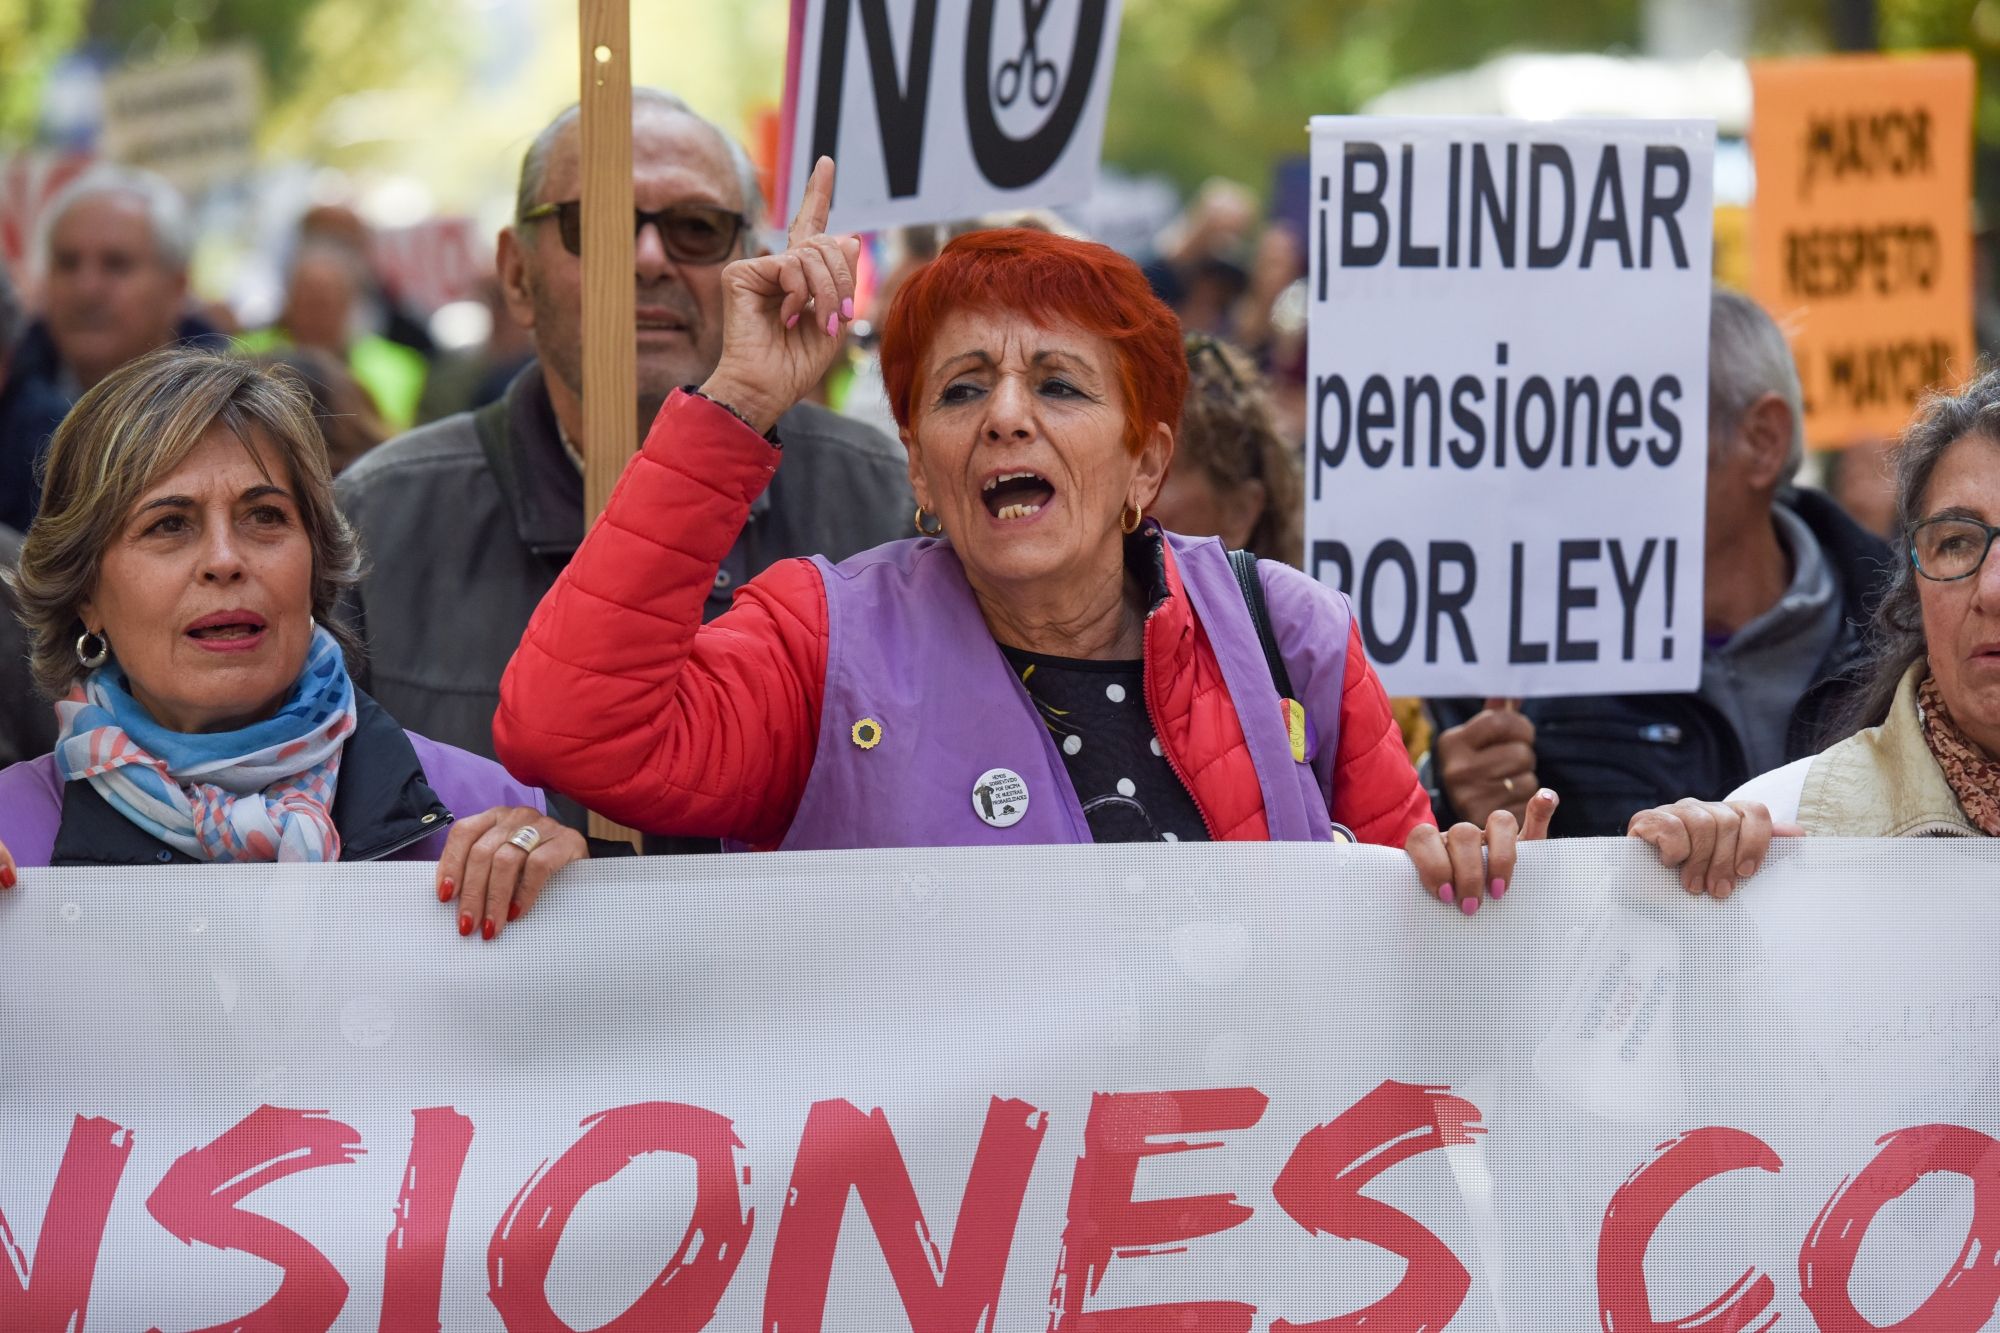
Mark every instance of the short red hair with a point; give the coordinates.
(1052, 280)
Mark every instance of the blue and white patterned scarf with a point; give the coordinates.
(262, 793)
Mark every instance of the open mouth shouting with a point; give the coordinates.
(228, 631)
(1013, 495)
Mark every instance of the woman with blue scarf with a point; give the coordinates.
(177, 586)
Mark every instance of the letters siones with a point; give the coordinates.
(1111, 1217)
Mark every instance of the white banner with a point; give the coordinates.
(1508, 410)
(1228, 1088)
(938, 111)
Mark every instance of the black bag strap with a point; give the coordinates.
(1244, 565)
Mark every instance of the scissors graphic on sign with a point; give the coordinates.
(1030, 71)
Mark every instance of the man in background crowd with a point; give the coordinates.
(467, 521)
(1788, 587)
(115, 266)
(382, 311)
(323, 292)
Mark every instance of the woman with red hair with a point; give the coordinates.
(1041, 664)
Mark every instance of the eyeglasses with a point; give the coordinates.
(692, 233)
(1944, 549)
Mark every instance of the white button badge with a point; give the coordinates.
(1000, 797)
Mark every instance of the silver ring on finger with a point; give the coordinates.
(527, 837)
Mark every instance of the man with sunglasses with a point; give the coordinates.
(1788, 587)
(467, 521)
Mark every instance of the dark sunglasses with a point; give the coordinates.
(692, 233)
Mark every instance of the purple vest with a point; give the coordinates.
(908, 651)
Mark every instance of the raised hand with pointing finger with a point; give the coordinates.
(783, 313)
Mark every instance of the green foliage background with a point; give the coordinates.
(1204, 87)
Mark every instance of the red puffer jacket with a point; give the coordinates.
(622, 698)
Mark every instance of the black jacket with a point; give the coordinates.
(27, 721)
(1611, 756)
(33, 403)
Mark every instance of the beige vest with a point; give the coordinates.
(1883, 782)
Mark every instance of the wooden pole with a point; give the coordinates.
(610, 349)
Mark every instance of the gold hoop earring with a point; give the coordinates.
(90, 657)
(923, 531)
(1129, 519)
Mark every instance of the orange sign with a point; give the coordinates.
(1861, 232)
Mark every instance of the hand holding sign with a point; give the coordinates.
(1488, 763)
(784, 312)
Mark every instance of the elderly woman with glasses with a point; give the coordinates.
(177, 586)
(1926, 760)
(1042, 665)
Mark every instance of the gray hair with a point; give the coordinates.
(166, 210)
(535, 162)
(1748, 358)
(1942, 420)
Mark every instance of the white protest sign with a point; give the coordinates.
(1507, 418)
(937, 110)
(1223, 1088)
(194, 122)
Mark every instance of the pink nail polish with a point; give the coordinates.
(847, 308)
(792, 323)
(1444, 894)
(832, 325)
(1468, 905)
(1498, 889)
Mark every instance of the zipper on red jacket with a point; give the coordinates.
(1153, 716)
